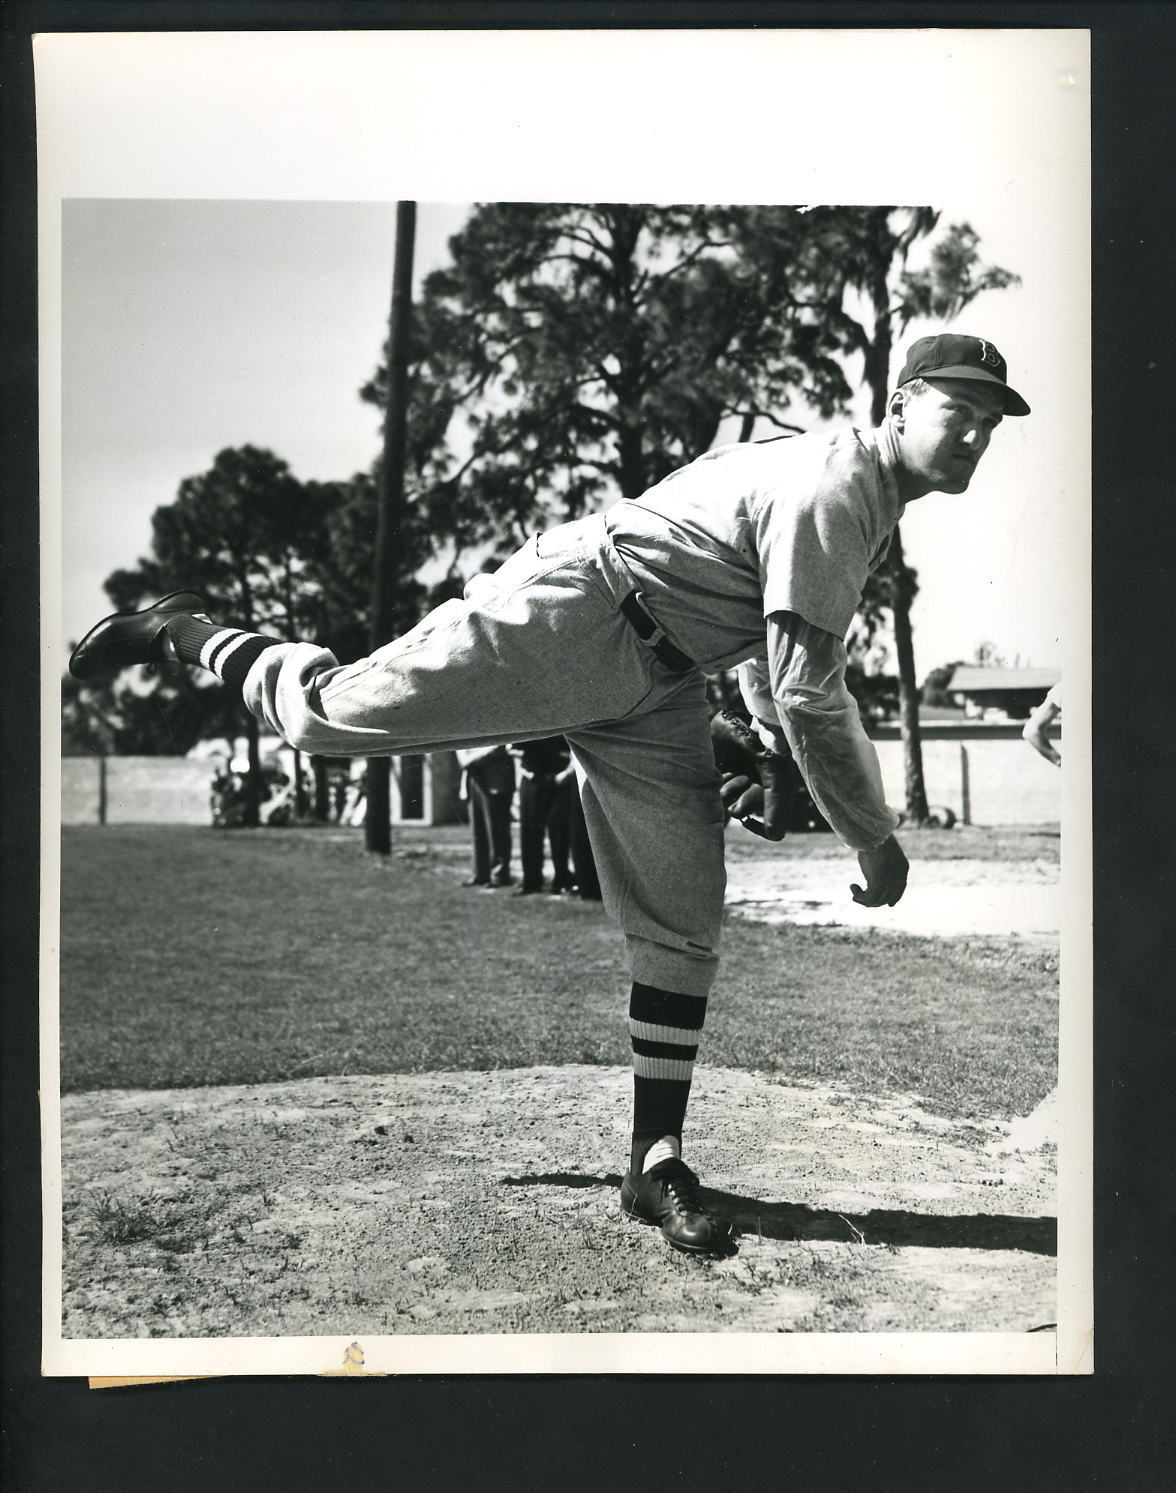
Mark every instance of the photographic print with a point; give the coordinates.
(562, 848)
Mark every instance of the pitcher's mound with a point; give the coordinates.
(487, 1203)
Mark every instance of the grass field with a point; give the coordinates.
(195, 957)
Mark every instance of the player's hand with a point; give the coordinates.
(758, 785)
(885, 870)
(744, 800)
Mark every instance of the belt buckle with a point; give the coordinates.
(655, 634)
(654, 639)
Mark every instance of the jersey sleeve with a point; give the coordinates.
(797, 694)
(817, 544)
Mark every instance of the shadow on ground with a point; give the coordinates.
(879, 1226)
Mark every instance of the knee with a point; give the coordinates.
(305, 734)
(302, 737)
(686, 971)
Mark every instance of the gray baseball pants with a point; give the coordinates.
(540, 648)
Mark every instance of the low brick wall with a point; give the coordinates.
(137, 790)
(176, 790)
(984, 774)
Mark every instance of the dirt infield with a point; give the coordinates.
(486, 1202)
(957, 898)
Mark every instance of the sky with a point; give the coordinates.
(191, 322)
(189, 327)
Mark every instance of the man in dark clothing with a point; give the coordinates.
(489, 774)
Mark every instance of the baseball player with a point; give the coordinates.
(1036, 729)
(602, 629)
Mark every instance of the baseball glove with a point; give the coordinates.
(759, 785)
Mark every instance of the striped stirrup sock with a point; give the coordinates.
(664, 1029)
(227, 651)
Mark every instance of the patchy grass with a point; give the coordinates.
(192, 1256)
(194, 957)
(120, 1221)
(177, 1223)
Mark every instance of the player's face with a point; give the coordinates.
(945, 430)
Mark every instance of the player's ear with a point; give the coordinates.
(896, 409)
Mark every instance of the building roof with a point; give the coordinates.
(970, 679)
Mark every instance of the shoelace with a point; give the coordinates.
(682, 1187)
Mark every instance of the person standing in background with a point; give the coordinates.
(546, 788)
(488, 777)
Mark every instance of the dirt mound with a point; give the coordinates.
(463, 1203)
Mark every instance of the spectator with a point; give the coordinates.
(546, 788)
(488, 781)
(355, 803)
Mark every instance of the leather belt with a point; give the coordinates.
(651, 634)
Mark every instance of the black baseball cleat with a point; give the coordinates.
(667, 1194)
(126, 638)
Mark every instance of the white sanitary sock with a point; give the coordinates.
(662, 1150)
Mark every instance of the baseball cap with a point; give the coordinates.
(950, 355)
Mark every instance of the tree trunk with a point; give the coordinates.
(912, 742)
(626, 229)
(631, 453)
(251, 811)
(377, 824)
(322, 790)
(877, 373)
(300, 803)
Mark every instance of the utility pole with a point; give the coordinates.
(877, 373)
(904, 648)
(378, 816)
